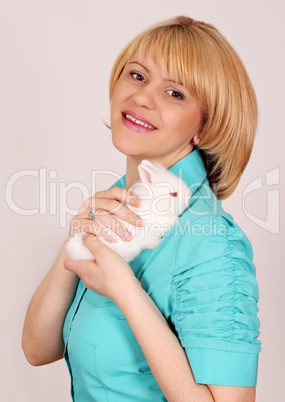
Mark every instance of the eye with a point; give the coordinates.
(137, 76)
(174, 194)
(176, 94)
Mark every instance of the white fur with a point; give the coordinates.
(155, 198)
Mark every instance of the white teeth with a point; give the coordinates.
(129, 117)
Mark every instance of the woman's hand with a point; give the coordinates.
(108, 274)
(108, 205)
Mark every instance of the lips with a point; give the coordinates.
(138, 117)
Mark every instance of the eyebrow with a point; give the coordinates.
(165, 79)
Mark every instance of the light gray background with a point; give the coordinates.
(56, 56)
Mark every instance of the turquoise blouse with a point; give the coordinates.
(202, 279)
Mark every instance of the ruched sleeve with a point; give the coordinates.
(215, 297)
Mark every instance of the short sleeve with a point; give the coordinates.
(214, 311)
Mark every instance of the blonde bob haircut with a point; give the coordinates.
(198, 55)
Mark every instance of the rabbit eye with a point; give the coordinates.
(174, 194)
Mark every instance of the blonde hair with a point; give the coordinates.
(198, 55)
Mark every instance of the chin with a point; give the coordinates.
(127, 148)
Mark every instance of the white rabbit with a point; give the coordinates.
(164, 197)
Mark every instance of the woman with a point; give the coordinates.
(187, 329)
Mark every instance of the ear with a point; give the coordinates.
(146, 171)
(195, 138)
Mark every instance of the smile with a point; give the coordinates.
(137, 121)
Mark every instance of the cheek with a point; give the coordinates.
(114, 107)
(117, 100)
(186, 123)
(116, 95)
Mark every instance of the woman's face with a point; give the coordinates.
(166, 115)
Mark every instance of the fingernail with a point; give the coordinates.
(136, 200)
(139, 222)
(112, 239)
(127, 236)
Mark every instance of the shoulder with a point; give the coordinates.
(205, 231)
(203, 235)
(213, 253)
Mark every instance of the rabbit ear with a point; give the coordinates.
(152, 172)
(146, 171)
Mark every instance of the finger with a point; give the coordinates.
(111, 200)
(88, 204)
(78, 225)
(120, 194)
(71, 265)
(79, 267)
(88, 226)
(111, 206)
(120, 210)
(95, 246)
(127, 215)
(111, 223)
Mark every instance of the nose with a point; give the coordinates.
(145, 97)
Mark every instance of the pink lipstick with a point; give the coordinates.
(136, 123)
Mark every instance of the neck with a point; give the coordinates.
(132, 163)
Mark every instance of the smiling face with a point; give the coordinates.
(153, 117)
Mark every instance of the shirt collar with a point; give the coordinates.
(190, 169)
